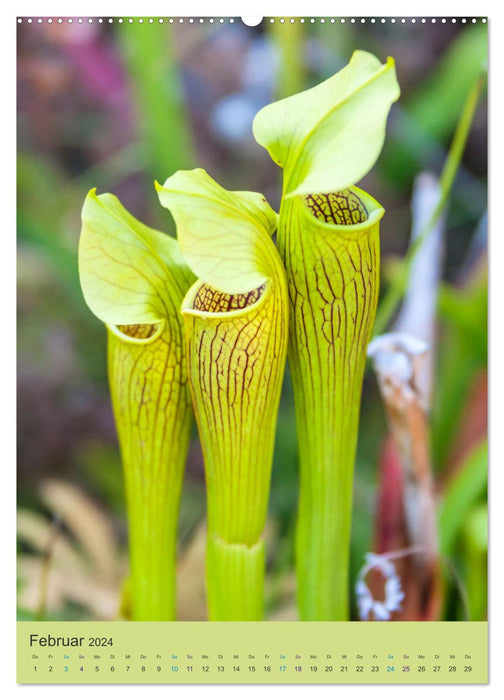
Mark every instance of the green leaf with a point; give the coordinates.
(461, 494)
(328, 137)
(129, 273)
(476, 528)
(224, 236)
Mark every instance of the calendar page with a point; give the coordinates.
(252, 350)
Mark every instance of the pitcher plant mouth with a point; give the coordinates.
(348, 211)
(204, 300)
(138, 333)
(342, 208)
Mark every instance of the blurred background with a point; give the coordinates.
(115, 106)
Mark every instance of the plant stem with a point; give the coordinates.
(45, 569)
(152, 539)
(235, 575)
(153, 77)
(289, 40)
(164, 129)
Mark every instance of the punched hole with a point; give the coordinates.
(343, 208)
(210, 299)
(252, 21)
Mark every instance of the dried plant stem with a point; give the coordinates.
(418, 312)
(403, 361)
(397, 358)
(45, 567)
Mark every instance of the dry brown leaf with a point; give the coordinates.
(64, 586)
(87, 522)
(36, 531)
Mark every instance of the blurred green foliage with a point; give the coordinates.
(431, 111)
(163, 130)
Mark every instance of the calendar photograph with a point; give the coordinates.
(252, 330)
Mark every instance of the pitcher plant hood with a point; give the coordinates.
(328, 137)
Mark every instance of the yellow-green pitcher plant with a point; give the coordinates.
(326, 139)
(236, 332)
(134, 279)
